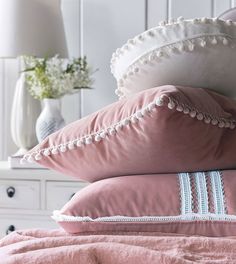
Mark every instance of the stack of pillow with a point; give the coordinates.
(161, 159)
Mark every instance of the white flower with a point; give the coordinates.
(55, 77)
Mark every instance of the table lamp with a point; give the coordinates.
(29, 27)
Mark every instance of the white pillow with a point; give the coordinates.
(196, 53)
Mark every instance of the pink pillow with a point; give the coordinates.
(161, 130)
(181, 203)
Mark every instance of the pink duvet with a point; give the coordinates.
(43, 247)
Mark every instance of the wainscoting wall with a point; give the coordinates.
(95, 29)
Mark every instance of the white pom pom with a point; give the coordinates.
(186, 111)
(134, 119)
(71, 145)
(97, 138)
(171, 105)
(125, 122)
(227, 124)
(203, 43)
(130, 73)
(172, 49)
(112, 131)
(193, 114)
(126, 47)
(214, 41)
(215, 19)
(151, 106)
(200, 116)
(30, 159)
(47, 152)
(144, 61)
(54, 151)
(152, 57)
(221, 124)
(225, 41)
(159, 101)
(118, 52)
(179, 108)
(214, 122)
(103, 134)
(62, 148)
(229, 22)
(139, 114)
(144, 111)
(180, 19)
(88, 140)
(118, 127)
(160, 53)
(131, 41)
(79, 143)
(118, 92)
(38, 156)
(191, 46)
(151, 33)
(232, 126)
(162, 23)
(140, 38)
(204, 20)
(207, 120)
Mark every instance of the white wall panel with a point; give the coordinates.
(220, 6)
(2, 112)
(107, 25)
(157, 11)
(71, 107)
(190, 8)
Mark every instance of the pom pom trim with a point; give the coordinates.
(96, 137)
(156, 56)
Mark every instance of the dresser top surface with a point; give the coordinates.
(6, 171)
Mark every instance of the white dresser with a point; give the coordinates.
(28, 197)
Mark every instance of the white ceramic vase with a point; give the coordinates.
(50, 119)
(25, 111)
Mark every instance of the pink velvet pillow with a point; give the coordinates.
(180, 203)
(161, 130)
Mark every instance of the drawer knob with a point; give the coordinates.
(11, 191)
(10, 229)
(72, 195)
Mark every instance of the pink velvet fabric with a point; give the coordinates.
(141, 195)
(163, 141)
(40, 247)
(157, 195)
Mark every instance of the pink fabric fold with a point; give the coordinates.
(41, 247)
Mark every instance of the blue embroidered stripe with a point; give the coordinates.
(217, 191)
(185, 193)
(202, 195)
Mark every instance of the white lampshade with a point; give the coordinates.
(31, 27)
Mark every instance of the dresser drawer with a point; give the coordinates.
(19, 194)
(11, 223)
(59, 193)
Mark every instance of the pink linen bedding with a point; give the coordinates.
(43, 247)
